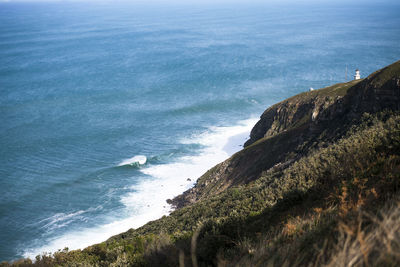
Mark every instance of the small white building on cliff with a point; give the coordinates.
(357, 75)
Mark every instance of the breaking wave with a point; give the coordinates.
(136, 160)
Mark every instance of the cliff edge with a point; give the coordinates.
(290, 129)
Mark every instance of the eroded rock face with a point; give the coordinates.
(379, 91)
(290, 113)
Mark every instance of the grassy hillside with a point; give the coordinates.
(317, 184)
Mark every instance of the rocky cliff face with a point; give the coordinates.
(292, 127)
(296, 111)
(378, 91)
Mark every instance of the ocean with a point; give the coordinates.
(107, 110)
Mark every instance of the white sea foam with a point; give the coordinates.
(61, 219)
(146, 201)
(139, 159)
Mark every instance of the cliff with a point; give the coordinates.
(378, 91)
(289, 129)
(317, 184)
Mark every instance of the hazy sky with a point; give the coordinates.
(215, 1)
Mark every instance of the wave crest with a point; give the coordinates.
(136, 160)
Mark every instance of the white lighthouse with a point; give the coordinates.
(357, 75)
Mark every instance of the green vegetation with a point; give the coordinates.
(318, 191)
(335, 90)
(383, 76)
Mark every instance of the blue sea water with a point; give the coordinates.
(88, 90)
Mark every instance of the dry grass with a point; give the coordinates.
(365, 239)
(371, 240)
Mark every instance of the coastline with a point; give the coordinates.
(147, 200)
